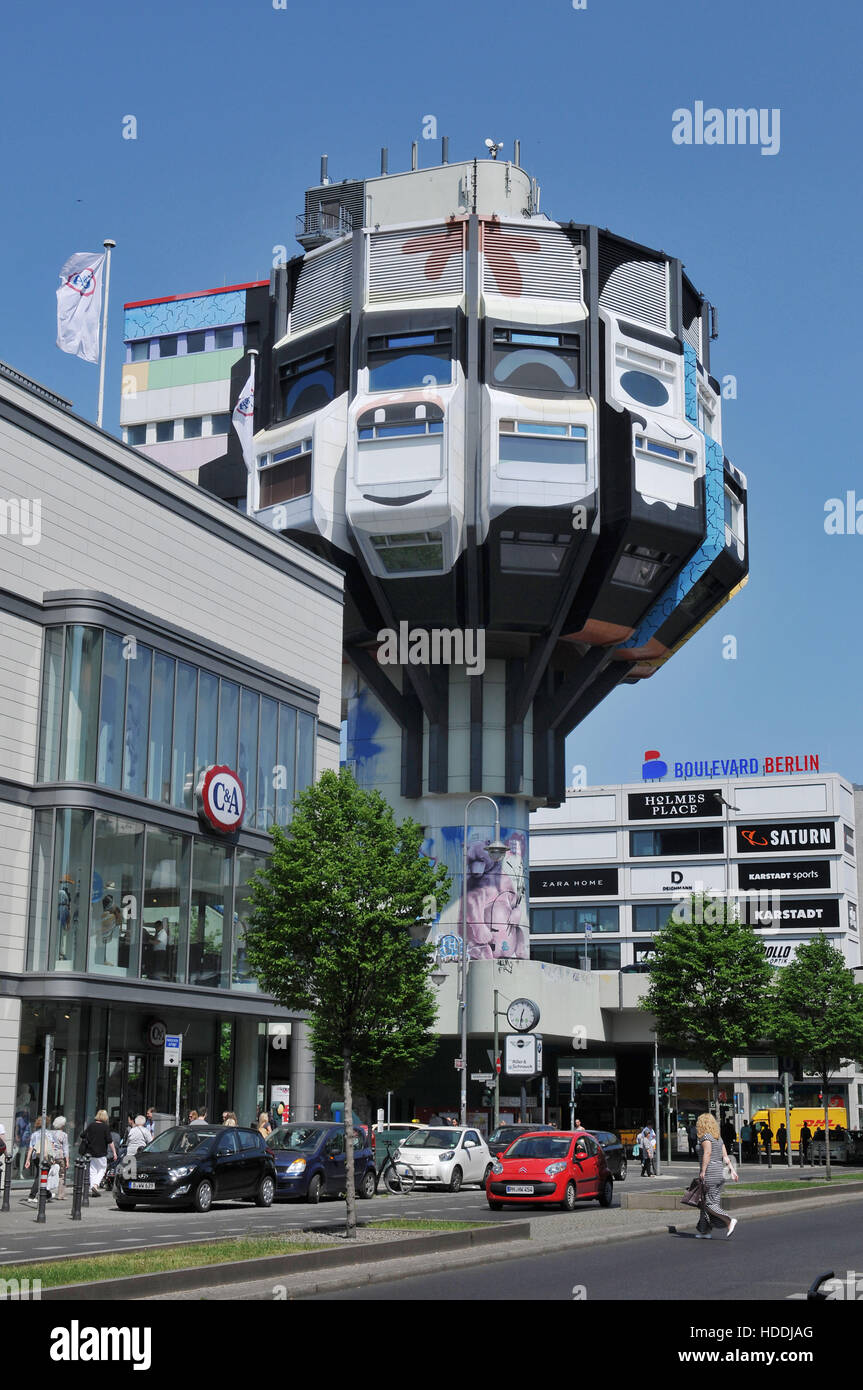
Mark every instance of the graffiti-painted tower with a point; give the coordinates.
(505, 429)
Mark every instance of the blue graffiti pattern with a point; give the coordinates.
(204, 311)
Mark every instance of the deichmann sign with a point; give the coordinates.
(691, 878)
(797, 873)
(811, 834)
(572, 883)
(221, 800)
(673, 805)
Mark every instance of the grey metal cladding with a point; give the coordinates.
(632, 283)
(417, 262)
(324, 286)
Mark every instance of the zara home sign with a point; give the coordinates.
(221, 800)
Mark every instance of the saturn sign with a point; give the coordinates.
(221, 799)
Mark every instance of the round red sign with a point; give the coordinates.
(222, 800)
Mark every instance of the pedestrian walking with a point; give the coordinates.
(230, 1118)
(150, 1117)
(714, 1156)
(96, 1144)
(265, 1129)
(692, 1140)
(201, 1117)
(729, 1134)
(59, 1142)
(138, 1136)
(746, 1140)
(782, 1141)
(646, 1141)
(805, 1141)
(34, 1149)
(766, 1138)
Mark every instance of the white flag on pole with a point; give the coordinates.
(243, 419)
(79, 304)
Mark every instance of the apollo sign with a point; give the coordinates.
(221, 800)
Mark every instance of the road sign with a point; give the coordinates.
(458, 1063)
(173, 1054)
(520, 1054)
(482, 1076)
(497, 1065)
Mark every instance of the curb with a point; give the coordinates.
(670, 1201)
(280, 1266)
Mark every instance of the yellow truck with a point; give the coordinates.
(813, 1115)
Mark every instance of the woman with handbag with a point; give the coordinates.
(715, 1165)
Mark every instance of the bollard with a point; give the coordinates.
(77, 1189)
(7, 1182)
(43, 1192)
(85, 1189)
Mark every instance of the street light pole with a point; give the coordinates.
(496, 851)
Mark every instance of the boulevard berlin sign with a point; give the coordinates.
(654, 768)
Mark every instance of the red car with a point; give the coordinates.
(557, 1167)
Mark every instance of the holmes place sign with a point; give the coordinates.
(673, 805)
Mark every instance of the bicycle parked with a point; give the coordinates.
(397, 1176)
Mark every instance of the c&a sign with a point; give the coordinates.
(221, 800)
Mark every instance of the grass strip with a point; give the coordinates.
(93, 1268)
(786, 1184)
(404, 1223)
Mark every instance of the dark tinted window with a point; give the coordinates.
(227, 1140)
(307, 384)
(250, 1139)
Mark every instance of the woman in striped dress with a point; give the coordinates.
(713, 1155)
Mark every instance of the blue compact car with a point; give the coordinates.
(310, 1161)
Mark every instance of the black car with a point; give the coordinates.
(506, 1134)
(614, 1150)
(195, 1165)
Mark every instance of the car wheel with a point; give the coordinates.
(314, 1193)
(366, 1188)
(620, 1175)
(606, 1193)
(455, 1180)
(123, 1205)
(204, 1195)
(570, 1197)
(485, 1177)
(495, 1206)
(266, 1192)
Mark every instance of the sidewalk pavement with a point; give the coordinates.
(572, 1231)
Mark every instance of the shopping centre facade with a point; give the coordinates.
(149, 632)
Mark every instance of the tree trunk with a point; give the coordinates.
(826, 1129)
(350, 1171)
(716, 1095)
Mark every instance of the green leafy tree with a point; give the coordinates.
(708, 985)
(330, 933)
(817, 1014)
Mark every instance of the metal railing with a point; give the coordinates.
(319, 226)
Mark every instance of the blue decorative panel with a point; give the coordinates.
(689, 383)
(204, 311)
(713, 545)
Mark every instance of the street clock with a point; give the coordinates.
(522, 1015)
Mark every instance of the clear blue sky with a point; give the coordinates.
(236, 102)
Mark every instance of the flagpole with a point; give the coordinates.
(108, 245)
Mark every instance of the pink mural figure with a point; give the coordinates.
(496, 907)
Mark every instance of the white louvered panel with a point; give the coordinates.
(692, 334)
(638, 288)
(324, 287)
(417, 263)
(535, 263)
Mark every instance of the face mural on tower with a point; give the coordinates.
(497, 908)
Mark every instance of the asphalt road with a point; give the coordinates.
(764, 1259)
(104, 1228)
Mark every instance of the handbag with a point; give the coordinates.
(694, 1194)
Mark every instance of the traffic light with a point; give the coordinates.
(576, 1080)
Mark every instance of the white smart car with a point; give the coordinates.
(447, 1157)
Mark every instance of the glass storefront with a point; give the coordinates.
(112, 895)
(121, 714)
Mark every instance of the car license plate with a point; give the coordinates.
(143, 1186)
(519, 1189)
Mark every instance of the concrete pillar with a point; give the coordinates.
(10, 1037)
(247, 1070)
(302, 1072)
